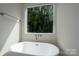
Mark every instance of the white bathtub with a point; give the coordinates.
(35, 48)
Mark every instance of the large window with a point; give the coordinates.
(39, 19)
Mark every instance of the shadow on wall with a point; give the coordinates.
(6, 27)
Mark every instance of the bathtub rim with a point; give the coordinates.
(11, 48)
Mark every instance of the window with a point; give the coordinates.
(39, 19)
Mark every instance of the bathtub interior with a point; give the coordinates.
(35, 48)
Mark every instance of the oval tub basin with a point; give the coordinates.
(35, 48)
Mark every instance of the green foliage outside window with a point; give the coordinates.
(40, 19)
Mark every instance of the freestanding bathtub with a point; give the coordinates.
(35, 49)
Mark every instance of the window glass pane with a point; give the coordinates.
(40, 19)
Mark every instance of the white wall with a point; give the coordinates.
(9, 29)
(68, 28)
(30, 37)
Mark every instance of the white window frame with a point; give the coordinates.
(54, 20)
